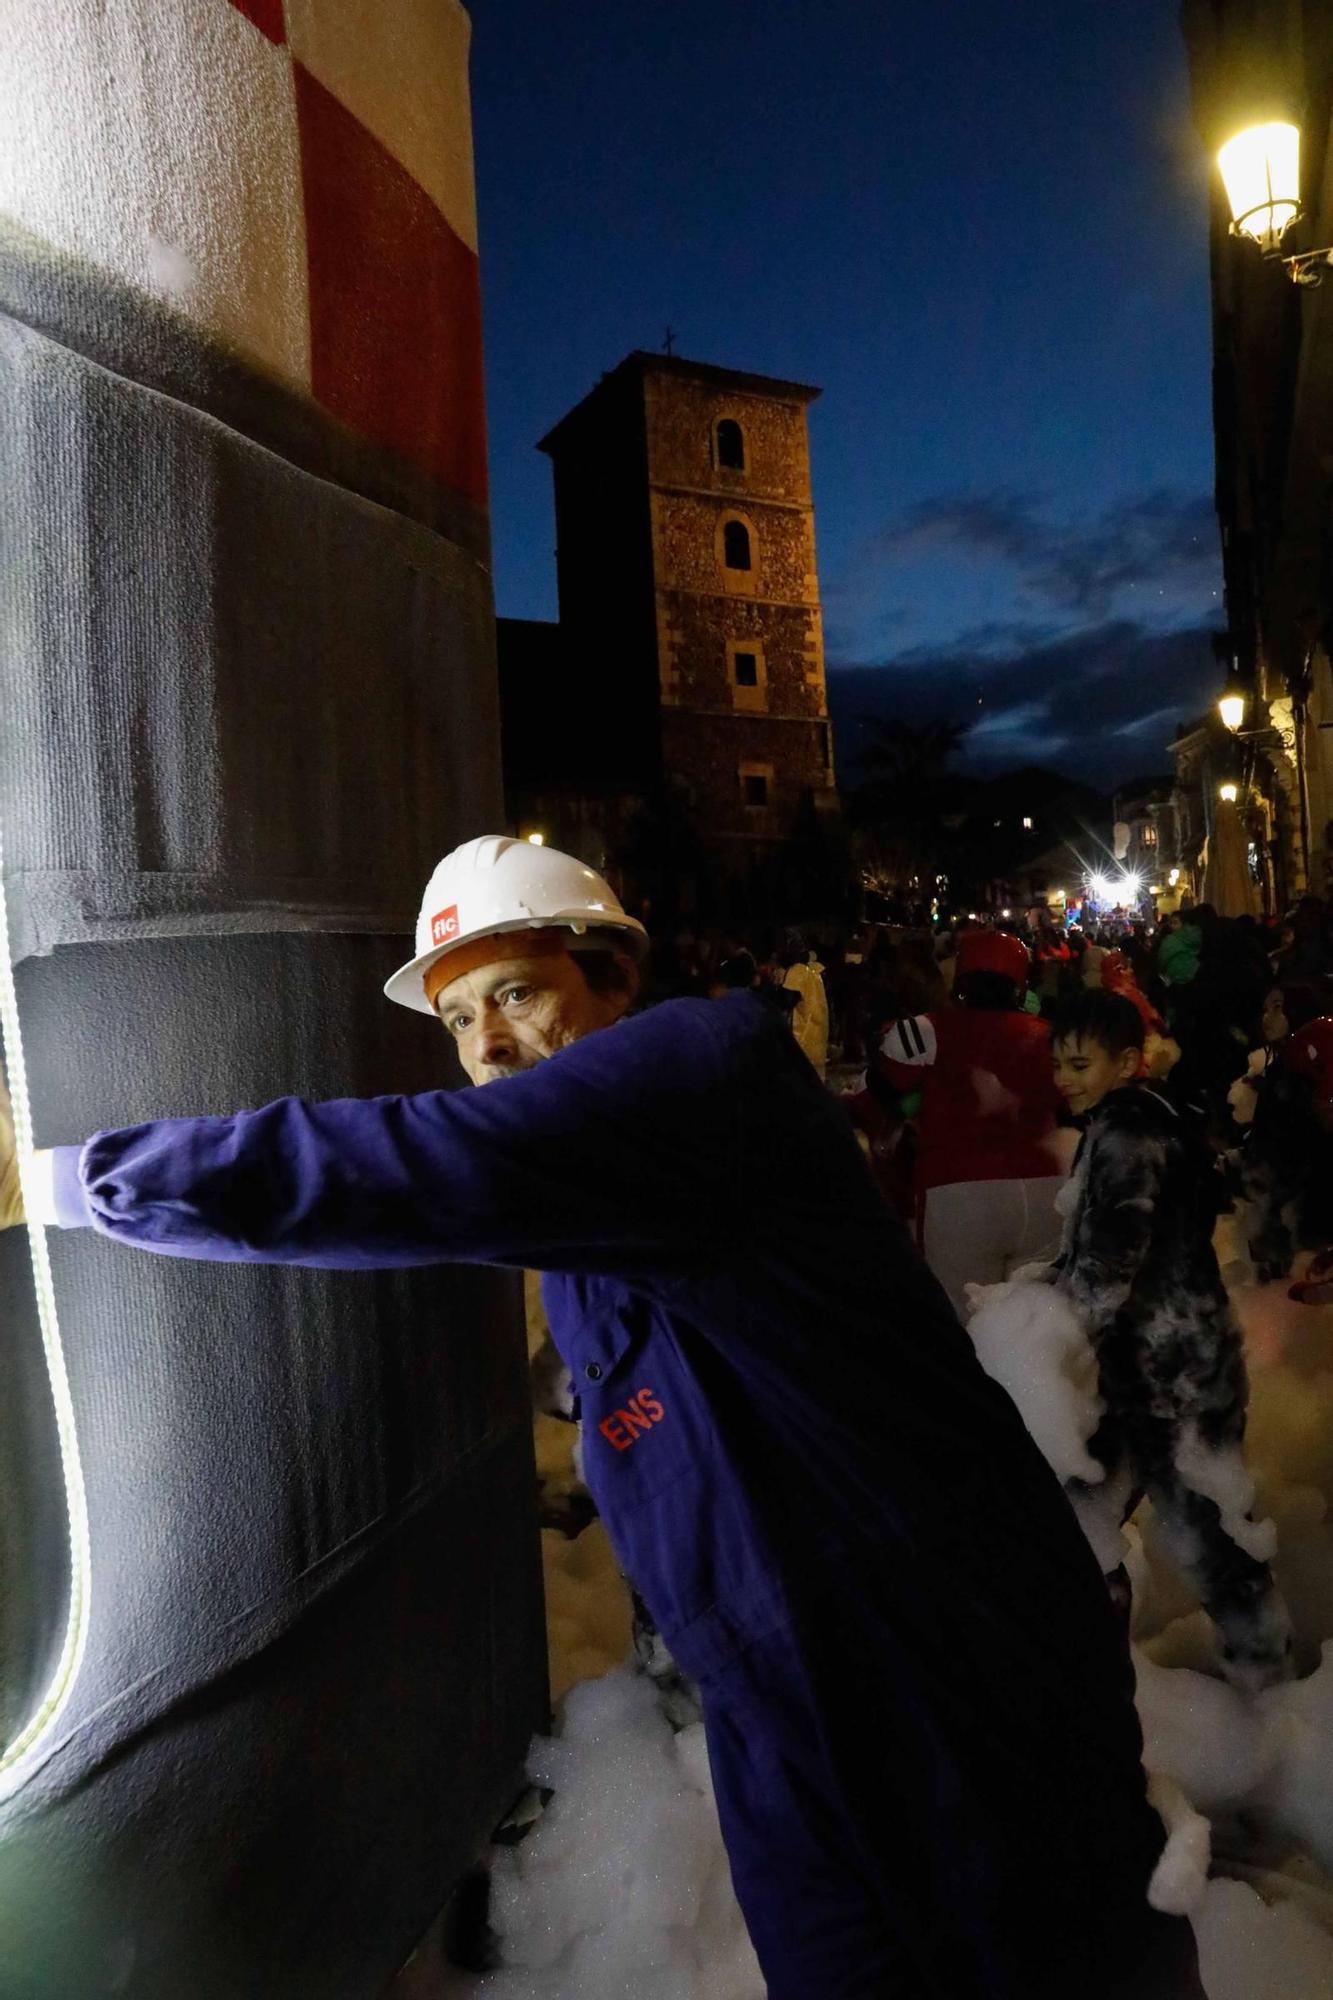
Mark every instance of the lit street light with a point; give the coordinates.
(1228, 793)
(1231, 708)
(1261, 171)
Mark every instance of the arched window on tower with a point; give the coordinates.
(730, 444)
(736, 545)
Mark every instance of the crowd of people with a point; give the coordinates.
(1075, 1106)
(1218, 998)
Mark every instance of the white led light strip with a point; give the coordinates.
(57, 1694)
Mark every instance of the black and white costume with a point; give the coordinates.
(1138, 1265)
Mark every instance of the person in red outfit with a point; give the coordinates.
(991, 1160)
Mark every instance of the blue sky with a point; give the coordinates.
(982, 229)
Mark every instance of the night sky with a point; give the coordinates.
(981, 227)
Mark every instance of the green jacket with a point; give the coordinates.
(1178, 955)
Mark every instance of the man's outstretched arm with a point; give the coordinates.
(613, 1155)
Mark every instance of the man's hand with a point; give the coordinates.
(40, 1175)
(11, 1193)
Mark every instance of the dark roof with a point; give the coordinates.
(641, 363)
(1187, 732)
(1159, 786)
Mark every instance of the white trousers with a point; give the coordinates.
(980, 1232)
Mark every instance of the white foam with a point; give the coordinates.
(622, 1892)
(1031, 1341)
(1251, 1950)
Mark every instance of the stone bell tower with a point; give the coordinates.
(689, 597)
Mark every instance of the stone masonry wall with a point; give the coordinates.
(714, 732)
(686, 527)
(709, 752)
(693, 635)
(681, 415)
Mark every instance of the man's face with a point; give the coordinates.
(1086, 1071)
(508, 1016)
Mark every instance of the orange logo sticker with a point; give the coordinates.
(624, 1428)
(444, 925)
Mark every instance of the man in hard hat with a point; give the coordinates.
(918, 1704)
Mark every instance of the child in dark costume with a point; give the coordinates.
(1137, 1262)
(1283, 1167)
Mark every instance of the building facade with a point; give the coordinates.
(688, 664)
(1252, 61)
(1143, 828)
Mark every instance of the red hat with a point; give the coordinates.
(994, 951)
(1309, 1052)
(1118, 977)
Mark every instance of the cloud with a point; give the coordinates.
(1101, 702)
(1022, 719)
(1154, 557)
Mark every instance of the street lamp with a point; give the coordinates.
(1228, 793)
(1261, 171)
(1232, 706)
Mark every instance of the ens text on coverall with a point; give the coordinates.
(917, 1700)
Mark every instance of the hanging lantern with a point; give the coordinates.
(1261, 170)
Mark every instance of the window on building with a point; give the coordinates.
(1149, 836)
(826, 745)
(756, 785)
(747, 675)
(730, 445)
(736, 545)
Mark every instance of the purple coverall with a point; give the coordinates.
(917, 1698)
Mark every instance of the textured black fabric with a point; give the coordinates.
(232, 689)
(283, 1833)
(244, 709)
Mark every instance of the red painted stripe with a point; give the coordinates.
(266, 15)
(395, 300)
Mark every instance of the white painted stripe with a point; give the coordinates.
(400, 66)
(157, 140)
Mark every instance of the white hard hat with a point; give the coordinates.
(492, 885)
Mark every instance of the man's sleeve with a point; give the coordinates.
(1125, 1170)
(617, 1154)
(909, 1048)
